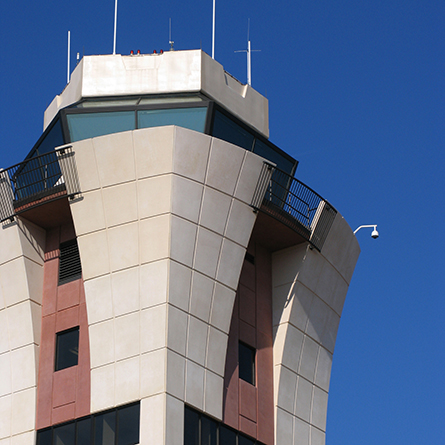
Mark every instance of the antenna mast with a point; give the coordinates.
(213, 32)
(249, 55)
(115, 27)
(170, 41)
(68, 63)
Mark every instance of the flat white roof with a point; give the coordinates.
(170, 72)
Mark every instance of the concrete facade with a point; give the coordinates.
(163, 226)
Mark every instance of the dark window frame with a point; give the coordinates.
(248, 375)
(59, 365)
(194, 413)
(92, 417)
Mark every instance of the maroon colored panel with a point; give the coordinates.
(247, 426)
(68, 294)
(252, 324)
(65, 394)
(247, 305)
(248, 400)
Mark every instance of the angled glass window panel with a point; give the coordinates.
(45, 437)
(67, 349)
(208, 431)
(226, 436)
(128, 425)
(90, 125)
(65, 434)
(226, 129)
(105, 429)
(191, 118)
(246, 361)
(83, 436)
(191, 427)
(267, 152)
(53, 139)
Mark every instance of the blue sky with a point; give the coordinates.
(357, 94)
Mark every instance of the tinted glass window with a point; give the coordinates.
(52, 140)
(64, 435)
(45, 437)
(84, 432)
(105, 429)
(90, 125)
(128, 425)
(191, 427)
(246, 363)
(67, 349)
(243, 440)
(227, 130)
(191, 118)
(267, 152)
(208, 431)
(226, 436)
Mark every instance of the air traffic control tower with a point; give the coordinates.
(164, 277)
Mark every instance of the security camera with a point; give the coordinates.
(374, 233)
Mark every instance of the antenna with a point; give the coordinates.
(249, 57)
(68, 64)
(170, 41)
(213, 31)
(115, 27)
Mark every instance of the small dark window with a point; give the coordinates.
(105, 428)
(246, 361)
(64, 434)
(227, 436)
(84, 432)
(128, 425)
(208, 431)
(67, 349)
(191, 427)
(69, 265)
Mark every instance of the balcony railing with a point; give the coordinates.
(294, 204)
(38, 180)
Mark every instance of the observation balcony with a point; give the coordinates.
(38, 180)
(294, 204)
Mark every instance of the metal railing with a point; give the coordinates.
(36, 180)
(293, 203)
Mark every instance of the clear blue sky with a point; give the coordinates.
(356, 93)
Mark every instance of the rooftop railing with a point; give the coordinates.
(294, 204)
(38, 180)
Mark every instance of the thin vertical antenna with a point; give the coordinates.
(249, 55)
(115, 26)
(68, 65)
(249, 63)
(213, 31)
(170, 41)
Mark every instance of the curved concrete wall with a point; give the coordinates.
(309, 289)
(162, 231)
(21, 284)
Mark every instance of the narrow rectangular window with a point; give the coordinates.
(246, 362)
(67, 348)
(70, 268)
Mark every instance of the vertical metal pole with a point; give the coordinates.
(115, 27)
(213, 32)
(68, 67)
(249, 61)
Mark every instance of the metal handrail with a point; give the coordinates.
(48, 176)
(294, 203)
